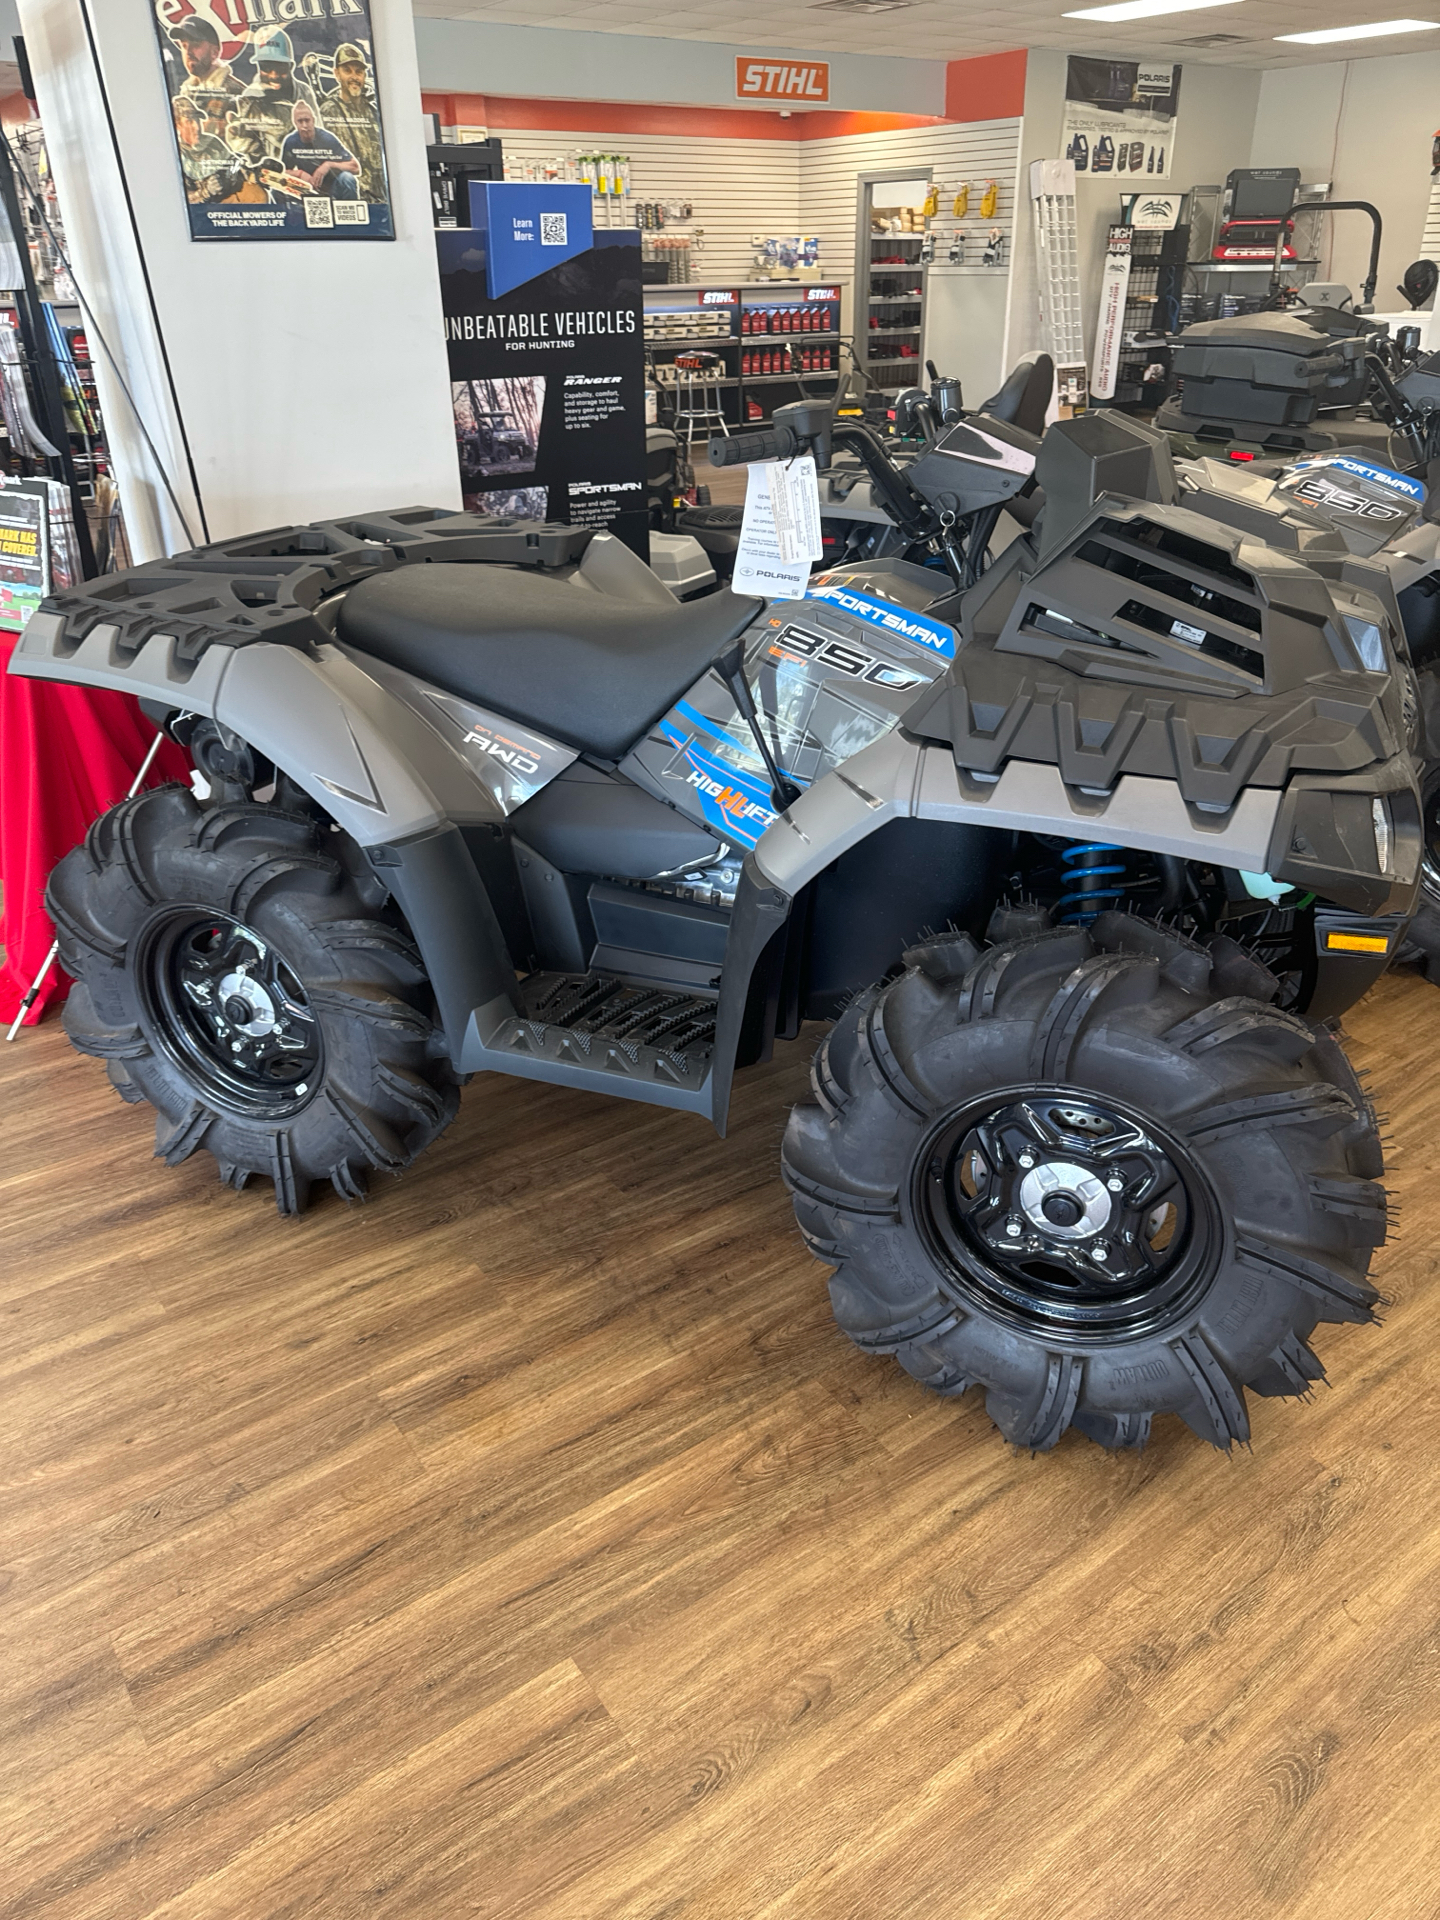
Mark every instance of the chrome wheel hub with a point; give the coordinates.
(247, 1006)
(1064, 1199)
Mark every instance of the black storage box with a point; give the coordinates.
(1272, 369)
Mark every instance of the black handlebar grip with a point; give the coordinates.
(738, 449)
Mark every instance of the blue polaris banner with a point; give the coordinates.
(529, 228)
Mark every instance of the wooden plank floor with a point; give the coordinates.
(527, 1543)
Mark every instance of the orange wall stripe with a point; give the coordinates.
(989, 87)
(981, 96)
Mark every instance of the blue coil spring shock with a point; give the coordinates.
(1094, 878)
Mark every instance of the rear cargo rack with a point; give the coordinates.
(266, 586)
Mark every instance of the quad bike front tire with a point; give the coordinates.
(1094, 1173)
(1420, 946)
(235, 971)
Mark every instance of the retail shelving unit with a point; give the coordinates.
(1152, 313)
(890, 277)
(1243, 282)
(763, 333)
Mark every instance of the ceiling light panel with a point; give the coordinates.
(1146, 9)
(1372, 30)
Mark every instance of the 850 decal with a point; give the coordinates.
(845, 657)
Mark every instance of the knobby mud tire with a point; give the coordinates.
(1420, 947)
(385, 1090)
(1266, 1105)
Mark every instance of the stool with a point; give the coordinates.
(697, 396)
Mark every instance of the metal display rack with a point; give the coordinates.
(1152, 314)
(890, 282)
(1057, 261)
(760, 332)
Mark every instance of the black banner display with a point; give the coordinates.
(548, 384)
(276, 119)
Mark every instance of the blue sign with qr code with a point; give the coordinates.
(529, 228)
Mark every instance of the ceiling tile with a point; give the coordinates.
(941, 30)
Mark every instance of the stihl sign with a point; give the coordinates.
(802, 81)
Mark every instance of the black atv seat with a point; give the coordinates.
(1024, 400)
(586, 669)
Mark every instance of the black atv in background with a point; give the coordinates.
(1080, 862)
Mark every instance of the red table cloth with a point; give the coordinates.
(66, 754)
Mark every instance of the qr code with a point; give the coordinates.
(553, 231)
(319, 212)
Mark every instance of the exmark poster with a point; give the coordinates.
(276, 121)
(1120, 117)
(547, 366)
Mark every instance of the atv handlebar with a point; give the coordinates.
(739, 449)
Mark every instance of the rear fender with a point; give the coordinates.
(368, 758)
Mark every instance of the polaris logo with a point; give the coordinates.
(930, 634)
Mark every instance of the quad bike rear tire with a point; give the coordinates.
(1220, 1150)
(236, 967)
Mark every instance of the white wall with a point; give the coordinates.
(311, 375)
(476, 56)
(1214, 132)
(1366, 126)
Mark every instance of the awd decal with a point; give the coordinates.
(515, 758)
(512, 762)
(933, 635)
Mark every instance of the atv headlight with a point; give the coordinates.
(1384, 835)
(1368, 643)
(1356, 848)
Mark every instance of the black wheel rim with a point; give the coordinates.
(230, 1012)
(1066, 1212)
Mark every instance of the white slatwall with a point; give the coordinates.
(744, 187)
(965, 307)
(1430, 244)
(736, 187)
(976, 152)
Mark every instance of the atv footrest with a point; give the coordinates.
(594, 1010)
(590, 1029)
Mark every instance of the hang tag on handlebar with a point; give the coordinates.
(773, 502)
(795, 504)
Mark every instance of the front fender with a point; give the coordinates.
(898, 776)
